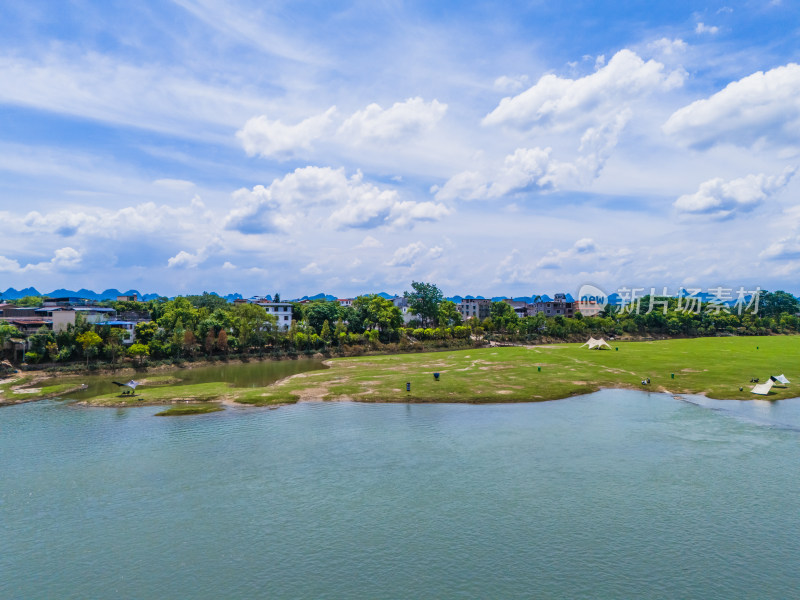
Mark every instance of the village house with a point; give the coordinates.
(478, 308)
(561, 305)
(282, 311)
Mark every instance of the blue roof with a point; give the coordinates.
(117, 323)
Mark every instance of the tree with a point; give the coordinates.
(138, 352)
(251, 322)
(114, 342)
(209, 301)
(145, 331)
(773, 304)
(28, 301)
(7, 331)
(325, 334)
(89, 341)
(424, 300)
(448, 314)
(222, 341)
(503, 316)
(319, 312)
(374, 311)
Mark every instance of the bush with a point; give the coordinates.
(32, 357)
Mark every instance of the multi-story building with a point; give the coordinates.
(560, 305)
(520, 307)
(478, 308)
(281, 310)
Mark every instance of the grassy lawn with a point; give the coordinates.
(190, 409)
(717, 367)
(21, 389)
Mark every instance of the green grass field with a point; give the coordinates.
(717, 367)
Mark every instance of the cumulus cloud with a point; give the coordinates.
(187, 260)
(667, 47)
(722, 199)
(266, 138)
(402, 120)
(535, 168)
(323, 196)
(703, 28)
(555, 259)
(142, 218)
(787, 248)
(369, 242)
(764, 106)
(64, 259)
(311, 268)
(276, 139)
(555, 100)
(407, 255)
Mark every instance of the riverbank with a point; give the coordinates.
(717, 367)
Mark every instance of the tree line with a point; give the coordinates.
(207, 326)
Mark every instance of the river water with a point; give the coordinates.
(618, 494)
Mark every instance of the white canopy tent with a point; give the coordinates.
(780, 378)
(763, 388)
(596, 344)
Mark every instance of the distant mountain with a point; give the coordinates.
(111, 294)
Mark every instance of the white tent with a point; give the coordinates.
(780, 378)
(763, 388)
(598, 344)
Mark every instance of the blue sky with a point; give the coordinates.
(491, 148)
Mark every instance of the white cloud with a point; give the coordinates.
(274, 138)
(178, 185)
(762, 107)
(187, 260)
(504, 83)
(703, 28)
(558, 101)
(721, 199)
(323, 196)
(311, 268)
(106, 89)
(787, 248)
(64, 259)
(369, 242)
(535, 168)
(228, 265)
(407, 255)
(667, 47)
(555, 259)
(143, 218)
(402, 120)
(8, 265)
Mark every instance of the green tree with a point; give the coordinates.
(138, 352)
(145, 331)
(424, 300)
(89, 341)
(448, 314)
(7, 331)
(318, 312)
(325, 334)
(251, 323)
(27, 301)
(374, 311)
(503, 316)
(774, 304)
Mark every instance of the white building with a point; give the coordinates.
(282, 312)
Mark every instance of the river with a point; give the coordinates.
(617, 494)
